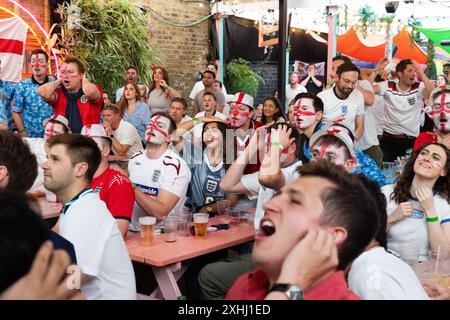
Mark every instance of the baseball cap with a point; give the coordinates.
(242, 98)
(94, 130)
(337, 131)
(61, 119)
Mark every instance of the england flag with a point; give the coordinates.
(13, 35)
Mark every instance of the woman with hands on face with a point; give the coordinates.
(418, 206)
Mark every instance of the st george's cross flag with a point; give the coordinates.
(13, 35)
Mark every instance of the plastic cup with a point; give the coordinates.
(171, 228)
(389, 172)
(184, 223)
(234, 216)
(147, 225)
(222, 206)
(201, 225)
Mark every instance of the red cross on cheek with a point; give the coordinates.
(38, 65)
(153, 127)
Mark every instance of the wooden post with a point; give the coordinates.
(282, 45)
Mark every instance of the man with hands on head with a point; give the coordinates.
(324, 198)
(74, 96)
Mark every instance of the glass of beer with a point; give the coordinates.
(147, 229)
(200, 225)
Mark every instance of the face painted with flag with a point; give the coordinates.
(38, 64)
(441, 111)
(304, 113)
(157, 131)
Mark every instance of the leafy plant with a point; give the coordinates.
(367, 20)
(239, 77)
(108, 36)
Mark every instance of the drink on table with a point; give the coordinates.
(147, 225)
(200, 225)
(171, 228)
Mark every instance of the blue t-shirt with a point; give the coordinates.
(7, 89)
(33, 108)
(204, 187)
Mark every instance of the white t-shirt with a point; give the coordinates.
(402, 109)
(291, 93)
(99, 247)
(126, 133)
(413, 229)
(251, 183)
(199, 86)
(37, 147)
(378, 114)
(369, 138)
(379, 275)
(334, 107)
(169, 172)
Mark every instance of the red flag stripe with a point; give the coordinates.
(11, 46)
(240, 98)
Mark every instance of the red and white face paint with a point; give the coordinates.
(157, 130)
(212, 136)
(70, 76)
(52, 129)
(329, 153)
(38, 64)
(304, 113)
(441, 112)
(238, 115)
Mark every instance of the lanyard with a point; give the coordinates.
(78, 196)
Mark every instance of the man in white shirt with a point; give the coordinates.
(106, 272)
(208, 82)
(200, 86)
(403, 100)
(178, 109)
(160, 176)
(125, 138)
(377, 274)
(131, 76)
(293, 88)
(56, 124)
(342, 103)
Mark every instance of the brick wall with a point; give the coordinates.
(269, 72)
(184, 50)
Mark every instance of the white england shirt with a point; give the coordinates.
(169, 172)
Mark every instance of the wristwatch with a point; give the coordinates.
(292, 291)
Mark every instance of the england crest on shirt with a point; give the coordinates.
(156, 175)
(344, 109)
(211, 185)
(412, 101)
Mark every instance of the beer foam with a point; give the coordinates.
(200, 219)
(147, 220)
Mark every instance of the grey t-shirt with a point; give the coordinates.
(198, 99)
(158, 101)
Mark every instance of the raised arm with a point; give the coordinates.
(270, 174)
(89, 89)
(231, 182)
(47, 91)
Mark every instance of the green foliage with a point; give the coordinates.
(239, 77)
(367, 20)
(113, 35)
